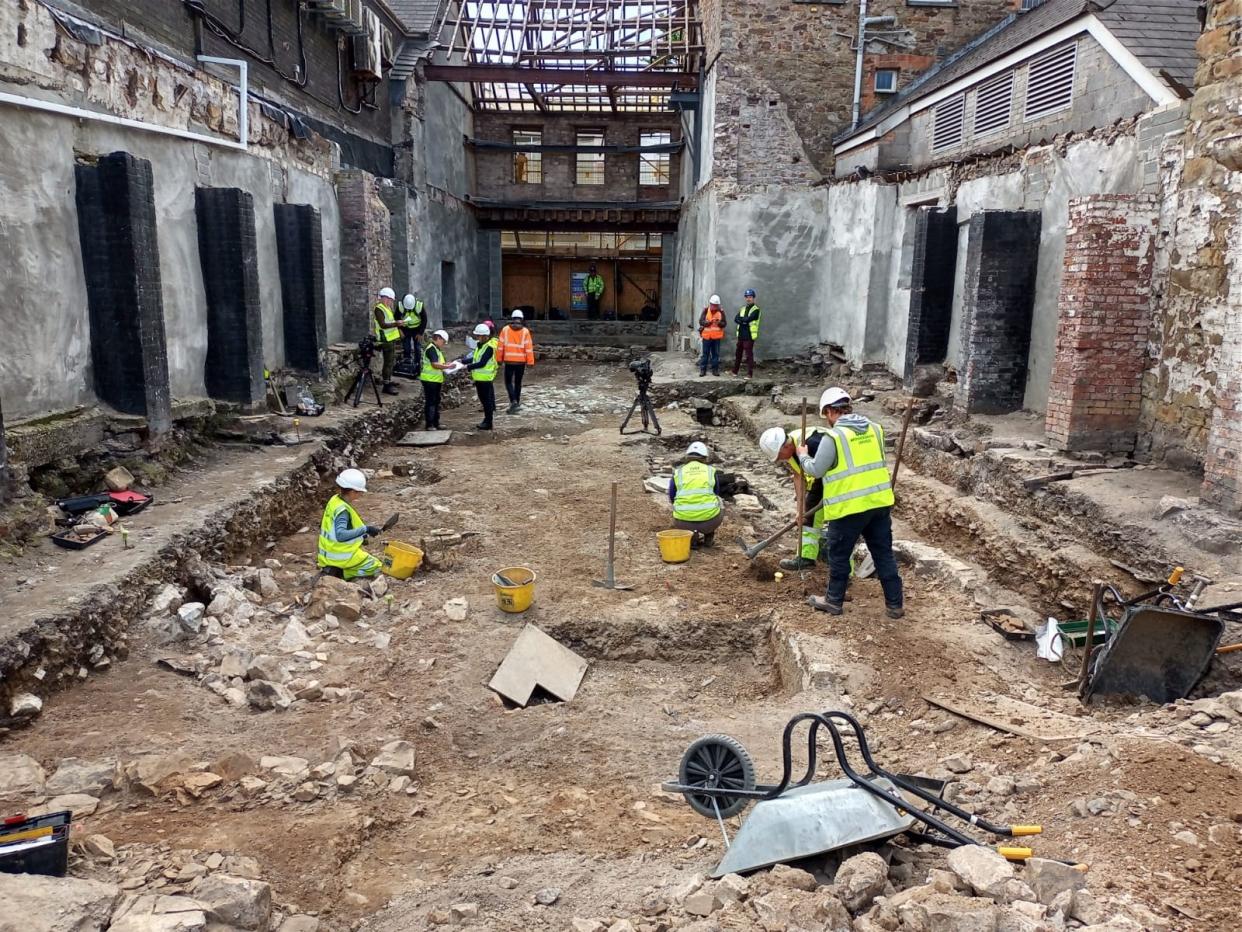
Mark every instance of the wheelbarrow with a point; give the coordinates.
(793, 820)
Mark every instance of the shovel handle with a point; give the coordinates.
(612, 526)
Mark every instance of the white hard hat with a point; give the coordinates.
(388, 293)
(442, 334)
(834, 398)
(481, 330)
(408, 302)
(518, 315)
(771, 442)
(714, 299)
(698, 448)
(352, 479)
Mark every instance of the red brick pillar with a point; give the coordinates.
(366, 250)
(1096, 391)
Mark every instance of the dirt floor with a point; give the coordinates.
(507, 802)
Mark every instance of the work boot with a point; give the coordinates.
(485, 425)
(821, 604)
(703, 374)
(797, 563)
(390, 389)
(709, 539)
(894, 611)
(513, 407)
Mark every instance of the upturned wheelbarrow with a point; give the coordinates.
(802, 819)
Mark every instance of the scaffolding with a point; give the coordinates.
(594, 56)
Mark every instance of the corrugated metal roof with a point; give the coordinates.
(1160, 33)
(418, 17)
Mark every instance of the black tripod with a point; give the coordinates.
(365, 377)
(643, 402)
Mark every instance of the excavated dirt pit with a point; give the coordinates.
(503, 803)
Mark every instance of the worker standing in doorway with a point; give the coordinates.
(781, 447)
(594, 293)
(517, 351)
(413, 324)
(858, 500)
(341, 531)
(747, 321)
(711, 330)
(483, 365)
(387, 332)
(432, 377)
(695, 494)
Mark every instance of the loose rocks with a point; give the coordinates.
(860, 880)
(57, 904)
(237, 901)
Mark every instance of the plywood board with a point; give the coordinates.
(537, 660)
(425, 438)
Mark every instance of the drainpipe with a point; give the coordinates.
(863, 22)
(858, 63)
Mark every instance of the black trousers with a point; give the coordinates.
(513, 381)
(487, 397)
(431, 405)
(876, 528)
(593, 307)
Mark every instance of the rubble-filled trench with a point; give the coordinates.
(279, 755)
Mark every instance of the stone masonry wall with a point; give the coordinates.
(1213, 287)
(785, 78)
(1105, 317)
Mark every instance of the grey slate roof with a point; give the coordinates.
(418, 17)
(1160, 33)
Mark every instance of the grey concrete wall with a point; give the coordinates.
(47, 367)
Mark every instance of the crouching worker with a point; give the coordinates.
(695, 494)
(341, 532)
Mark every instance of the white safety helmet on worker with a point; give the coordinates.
(771, 442)
(482, 331)
(834, 398)
(518, 315)
(352, 479)
(408, 302)
(442, 334)
(388, 293)
(714, 299)
(698, 448)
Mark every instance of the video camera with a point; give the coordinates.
(366, 350)
(642, 372)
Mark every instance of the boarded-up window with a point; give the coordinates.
(994, 105)
(1050, 84)
(527, 166)
(947, 123)
(654, 167)
(590, 164)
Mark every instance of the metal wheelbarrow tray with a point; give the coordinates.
(1155, 652)
(793, 820)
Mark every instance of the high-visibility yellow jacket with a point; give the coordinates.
(750, 317)
(486, 372)
(695, 485)
(859, 481)
(796, 437)
(430, 373)
(388, 333)
(332, 552)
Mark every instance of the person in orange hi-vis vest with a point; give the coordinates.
(517, 351)
(711, 329)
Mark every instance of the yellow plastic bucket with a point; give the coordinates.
(519, 596)
(401, 560)
(674, 545)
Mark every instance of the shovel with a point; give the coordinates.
(391, 522)
(609, 581)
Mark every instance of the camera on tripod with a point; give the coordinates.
(366, 350)
(643, 403)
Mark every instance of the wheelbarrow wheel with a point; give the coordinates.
(718, 762)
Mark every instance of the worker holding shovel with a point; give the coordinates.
(780, 447)
(858, 500)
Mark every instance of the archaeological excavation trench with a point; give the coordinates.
(300, 755)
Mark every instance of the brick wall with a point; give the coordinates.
(1104, 320)
(787, 72)
(1213, 286)
(906, 66)
(313, 88)
(366, 253)
(495, 168)
(932, 265)
(999, 293)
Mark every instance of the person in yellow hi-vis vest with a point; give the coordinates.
(858, 500)
(483, 363)
(780, 447)
(695, 494)
(387, 333)
(342, 530)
